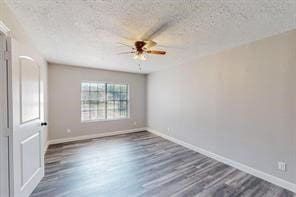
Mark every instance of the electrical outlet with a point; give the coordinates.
(135, 123)
(169, 129)
(68, 130)
(282, 166)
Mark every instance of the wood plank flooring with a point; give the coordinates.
(142, 164)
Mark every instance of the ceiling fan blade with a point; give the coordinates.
(156, 52)
(171, 47)
(163, 26)
(130, 46)
(149, 44)
(156, 31)
(129, 52)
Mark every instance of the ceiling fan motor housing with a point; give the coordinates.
(139, 46)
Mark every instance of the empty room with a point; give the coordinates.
(133, 98)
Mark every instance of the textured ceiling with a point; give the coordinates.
(87, 32)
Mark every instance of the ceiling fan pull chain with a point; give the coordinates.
(140, 67)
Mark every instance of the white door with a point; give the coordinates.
(5, 118)
(28, 161)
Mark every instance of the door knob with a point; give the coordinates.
(43, 124)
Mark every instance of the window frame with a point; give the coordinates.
(105, 102)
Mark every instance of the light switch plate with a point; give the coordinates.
(282, 166)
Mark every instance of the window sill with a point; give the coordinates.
(104, 120)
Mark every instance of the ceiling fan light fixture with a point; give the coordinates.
(142, 57)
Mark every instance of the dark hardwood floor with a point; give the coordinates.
(142, 164)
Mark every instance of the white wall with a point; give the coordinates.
(239, 104)
(4, 125)
(64, 101)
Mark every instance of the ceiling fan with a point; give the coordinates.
(141, 48)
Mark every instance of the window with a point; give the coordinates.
(103, 101)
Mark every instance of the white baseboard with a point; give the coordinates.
(270, 178)
(46, 147)
(84, 137)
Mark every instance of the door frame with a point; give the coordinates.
(6, 89)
